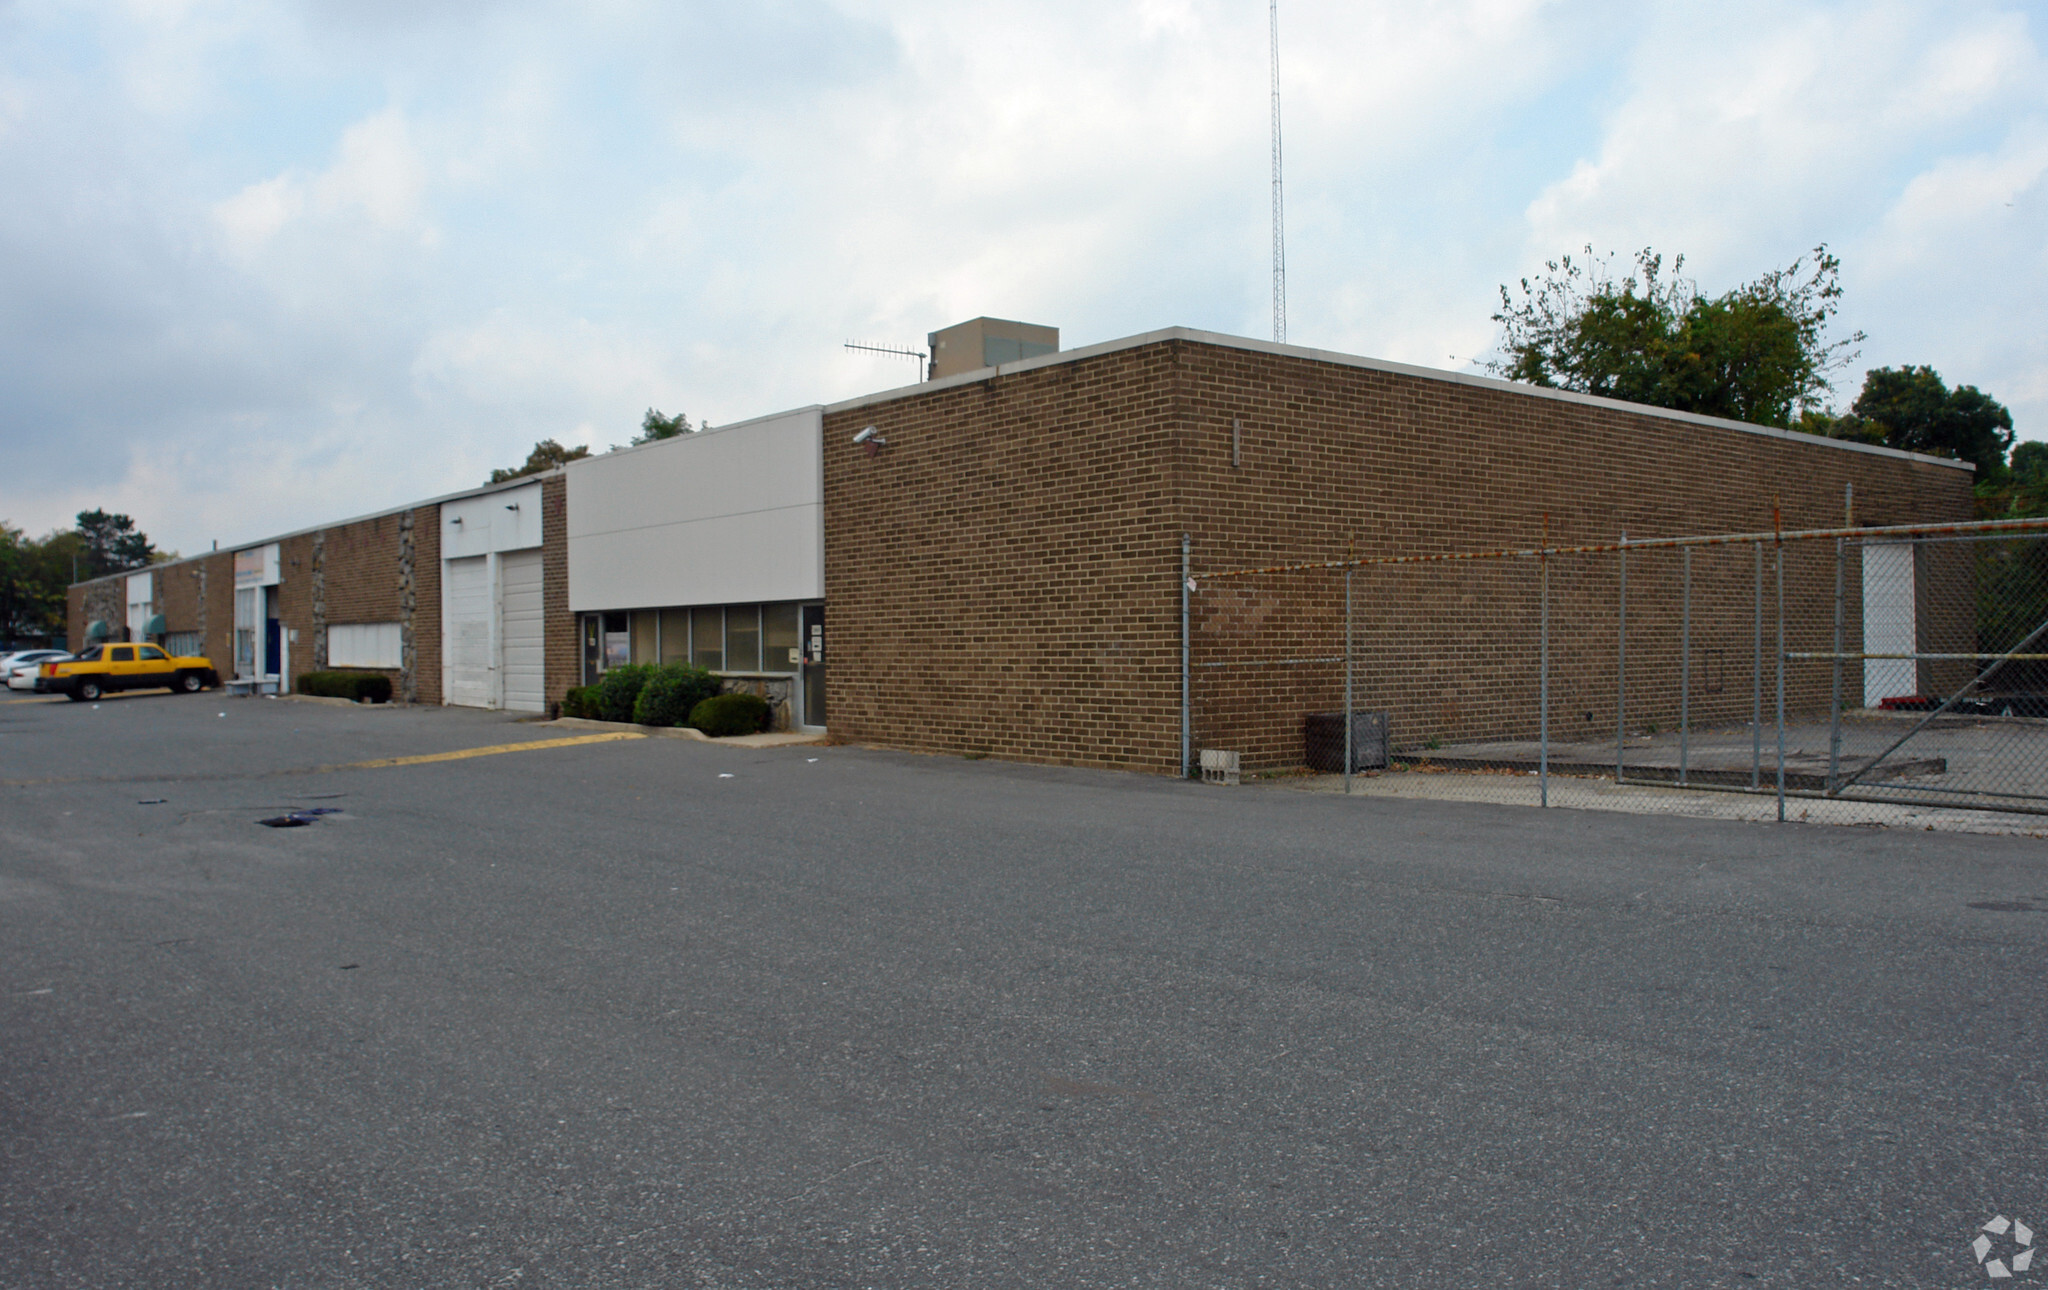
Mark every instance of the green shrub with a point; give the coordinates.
(731, 714)
(577, 702)
(672, 693)
(619, 691)
(357, 687)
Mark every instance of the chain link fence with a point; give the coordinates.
(1894, 676)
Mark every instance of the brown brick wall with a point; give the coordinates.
(563, 660)
(359, 581)
(1003, 577)
(998, 577)
(426, 613)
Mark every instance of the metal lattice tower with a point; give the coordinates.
(1279, 208)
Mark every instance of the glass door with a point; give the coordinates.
(814, 665)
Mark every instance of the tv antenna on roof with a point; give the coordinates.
(900, 351)
(1279, 210)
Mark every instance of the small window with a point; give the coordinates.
(150, 654)
(183, 645)
(92, 655)
(644, 650)
(122, 654)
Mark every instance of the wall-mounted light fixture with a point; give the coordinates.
(455, 520)
(512, 506)
(869, 440)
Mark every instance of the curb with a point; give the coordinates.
(772, 739)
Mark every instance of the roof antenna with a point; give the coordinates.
(1279, 210)
(918, 355)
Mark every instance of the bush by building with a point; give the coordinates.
(731, 714)
(672, 694)
(619, 690)
(357, 687)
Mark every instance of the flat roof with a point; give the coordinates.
(1223, 341)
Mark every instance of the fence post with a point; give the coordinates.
(1621, 673)
(1543, 700)
(1685, 676)
(1186, 723)
(1756, 677)
(1835, 698)
(1348, 737)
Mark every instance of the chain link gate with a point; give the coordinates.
(1891, 675)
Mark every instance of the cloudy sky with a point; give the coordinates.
(263, 264)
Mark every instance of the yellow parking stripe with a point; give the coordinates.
(491, 750)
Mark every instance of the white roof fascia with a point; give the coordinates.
(1223, 341)
(480, 491)
(672, 440)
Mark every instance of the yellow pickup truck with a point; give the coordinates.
(102, 669)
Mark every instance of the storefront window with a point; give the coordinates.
(707, 638)
(645, 650)
(743, 638)
(778, 638)
(675, 635)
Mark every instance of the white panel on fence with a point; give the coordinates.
(1888, 622)
(466, 627)
(520, 632)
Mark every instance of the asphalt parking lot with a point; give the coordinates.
(647, 1012)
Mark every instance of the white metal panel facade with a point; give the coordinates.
(726, 516)
(521, 634)
(467, 671)
(504, 521)
(1889, 625)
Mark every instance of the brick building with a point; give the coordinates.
(367, 594)
(1000, 551)
(1003, 575)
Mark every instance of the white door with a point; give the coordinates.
(519, 631)
(466, 632)
(140, 588)
(1888, 622)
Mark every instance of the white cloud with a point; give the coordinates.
(379, 176)
(268, 263)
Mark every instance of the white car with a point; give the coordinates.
(20, 667)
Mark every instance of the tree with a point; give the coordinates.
(1913, 408)
(110, 544)
(654, 427)
(1758, 353)
(546, 455)
(34, 573)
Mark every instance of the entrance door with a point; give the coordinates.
(814, 665)
(519, 632)
(1888, 622)
(466, 628)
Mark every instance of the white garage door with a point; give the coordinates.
(520, 632)
(466, 627)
